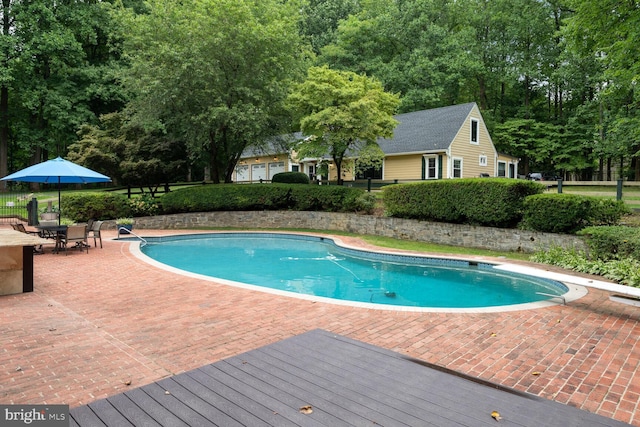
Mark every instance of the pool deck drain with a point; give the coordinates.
(102, 323)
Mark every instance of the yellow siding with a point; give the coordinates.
(403, 167)
(461, 147)
(347, 171)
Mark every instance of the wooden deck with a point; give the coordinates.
(345, 383)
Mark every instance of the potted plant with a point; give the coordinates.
(124, 225)
(50, 213)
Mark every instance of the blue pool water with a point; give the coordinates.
(317, 266)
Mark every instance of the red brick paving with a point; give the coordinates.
(100, 323)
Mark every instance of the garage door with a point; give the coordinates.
(242, 173)
(259, 172)
(274, 168)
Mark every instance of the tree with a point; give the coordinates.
(129, 154)
(320, 20)
(606, 33)
(58, 71)
(342, 113)
(416, 48)
(214, 73)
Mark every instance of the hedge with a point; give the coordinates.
(81, 207)
(568, 213)
(497, 202)
(613, 242)
(234, 197)
(291, 178)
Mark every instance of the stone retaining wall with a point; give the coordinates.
(499, 239)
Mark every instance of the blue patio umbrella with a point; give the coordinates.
(58, 171)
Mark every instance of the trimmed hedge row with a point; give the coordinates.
(568, 213)
(234, 197)
(496, 202)
(81, 207)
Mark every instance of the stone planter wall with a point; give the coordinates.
(451, 234)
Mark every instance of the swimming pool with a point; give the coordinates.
(317, 267)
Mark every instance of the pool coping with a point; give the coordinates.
(577, 287)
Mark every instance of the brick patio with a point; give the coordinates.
(100, 323)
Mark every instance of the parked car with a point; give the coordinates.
(543, 176)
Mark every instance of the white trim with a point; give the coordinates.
(473, 120)
(483, 160)
(453, 169)
(426, 166)
(506, 169)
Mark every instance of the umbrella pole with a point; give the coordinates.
(59, 205)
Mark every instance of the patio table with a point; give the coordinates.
(56, 232)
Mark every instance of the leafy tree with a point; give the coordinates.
(606, 33)
(320, 20)
(414, 47)
(129, 154)
(101, 147)
(343, 113)
(59, 63)
(214, 73)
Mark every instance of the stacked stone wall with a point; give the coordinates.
(500, 239)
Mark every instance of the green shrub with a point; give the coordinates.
(606, 211)
(554, 213)
(492, 202)
(625, 271)
(144, 205)
(81, 207)
(234, 197)
(290, 178)
(612, 242)
(568, 213)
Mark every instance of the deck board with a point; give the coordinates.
(346, 382)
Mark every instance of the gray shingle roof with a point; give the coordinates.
(419, 131)
(426, 130)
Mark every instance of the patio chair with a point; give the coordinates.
(21, 228)
(77, 235)
(94, 231)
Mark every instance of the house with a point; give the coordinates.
(440, 143)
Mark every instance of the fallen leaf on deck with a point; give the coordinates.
(496, 415)
(306, 409)
(535, 373)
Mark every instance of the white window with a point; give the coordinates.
(502, 169)
(482, 160)
(457, 168)
(474, 131)
(431, 167)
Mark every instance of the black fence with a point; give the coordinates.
(16, 207)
